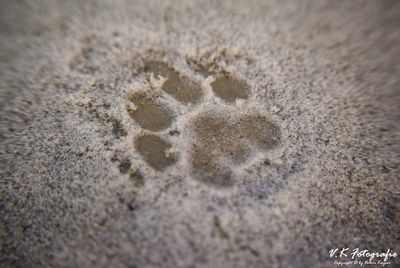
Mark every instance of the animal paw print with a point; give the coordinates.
(213, 135)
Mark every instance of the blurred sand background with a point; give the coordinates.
(327, 72)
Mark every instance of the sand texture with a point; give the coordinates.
(198, 133)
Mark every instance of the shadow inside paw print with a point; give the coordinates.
(178, 86)
(220, 137)
(155, 151)
(224, 140)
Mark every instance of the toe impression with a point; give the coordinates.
(178, 86)
(155, 151)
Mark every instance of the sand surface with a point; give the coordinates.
(125, 140)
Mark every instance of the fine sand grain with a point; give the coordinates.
(198, 133)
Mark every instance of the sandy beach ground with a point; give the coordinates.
(198, 133)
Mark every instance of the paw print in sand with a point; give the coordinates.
(216, 135)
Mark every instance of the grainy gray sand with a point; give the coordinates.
(77, 192)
